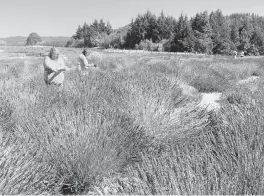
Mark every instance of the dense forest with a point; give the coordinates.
(211, 33)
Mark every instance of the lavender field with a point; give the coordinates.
(140, 123)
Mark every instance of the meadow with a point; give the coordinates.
(133, 126)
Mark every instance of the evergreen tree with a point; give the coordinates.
(201, 24)
(171, 24)
(166, 26)
(95, 25)
(138, 31)
(101, 26)
(79, 33)
(161, 25)
(234, 33)
(202, 32)
(151, 27)
(244, 39)
(257, 37)
(218, 26)
(256, 42)
(183, 38)
(129, 38)
(109, 28)
(89, 34)
(220, 33)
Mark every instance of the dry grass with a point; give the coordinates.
(129, 128)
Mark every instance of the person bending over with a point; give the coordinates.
(54, 67)
(83, 64)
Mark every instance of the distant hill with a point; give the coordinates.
(46, 41)
(13, 41)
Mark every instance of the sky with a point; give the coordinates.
(62, 17)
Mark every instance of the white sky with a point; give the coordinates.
(62, 17)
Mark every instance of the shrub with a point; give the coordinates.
(167, 45)
(75, 43)
(33, 39)
(148, 45)
(111, 41)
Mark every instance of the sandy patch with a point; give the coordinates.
(210, 100)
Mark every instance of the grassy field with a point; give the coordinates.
(133, 126)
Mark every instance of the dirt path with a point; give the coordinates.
(210, 100)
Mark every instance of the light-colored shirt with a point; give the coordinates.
(82, 63)
(51, 67)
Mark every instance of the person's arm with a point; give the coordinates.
(85, 61)
(92, 65)
(48, 63)
(63, 66)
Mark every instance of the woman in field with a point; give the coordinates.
(234, 54)
(54, 66)
(83, 64)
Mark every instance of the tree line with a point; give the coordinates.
(211, 33)
(90, 35)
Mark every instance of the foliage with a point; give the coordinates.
(75, 43)
(92, 34)
(149, 45)
(183, 37)
(33, 39)
(147, 26)
(204, 33)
